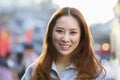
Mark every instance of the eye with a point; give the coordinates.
(59, 31)
(73, 32)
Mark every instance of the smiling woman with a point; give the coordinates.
(66, 35)
(68, 53)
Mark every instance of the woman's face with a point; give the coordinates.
(66, 35)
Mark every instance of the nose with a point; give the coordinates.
(65, 38)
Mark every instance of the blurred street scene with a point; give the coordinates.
(22, 30)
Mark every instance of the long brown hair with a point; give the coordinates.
(83, 58)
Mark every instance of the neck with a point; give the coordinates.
(62, 62)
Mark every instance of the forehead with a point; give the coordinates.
(67, 22)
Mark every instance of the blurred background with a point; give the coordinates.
(23, 24)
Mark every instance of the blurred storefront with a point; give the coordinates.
(101, 39)
(107, 36)
(27, 20)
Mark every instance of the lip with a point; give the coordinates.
(65, 46)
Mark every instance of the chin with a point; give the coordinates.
(65, 53)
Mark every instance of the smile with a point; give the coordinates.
(64, 47)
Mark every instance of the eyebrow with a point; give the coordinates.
(63, 28)
(60, 27)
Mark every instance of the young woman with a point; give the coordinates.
(68, 53)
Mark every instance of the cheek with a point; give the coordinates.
(76, 40)
(56, 37)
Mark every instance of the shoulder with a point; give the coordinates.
(101, 76)
(28, 72)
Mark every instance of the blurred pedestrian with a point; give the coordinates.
(29, 55)
(5, 71)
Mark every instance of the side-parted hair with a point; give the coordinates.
(83, 57)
